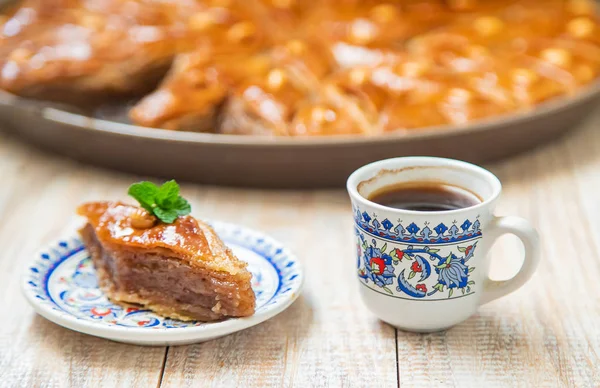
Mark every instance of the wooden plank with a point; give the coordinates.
(545, 334)
(37, 196)
(326, 338)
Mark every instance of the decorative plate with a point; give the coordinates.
(60, 283)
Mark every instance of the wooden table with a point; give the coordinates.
(546, 334)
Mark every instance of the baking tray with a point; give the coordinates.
(279, 162)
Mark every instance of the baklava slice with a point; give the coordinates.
(190, 97)
(180, 270)
(80, 51)
(227, 49)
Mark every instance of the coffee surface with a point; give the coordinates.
(425, 196)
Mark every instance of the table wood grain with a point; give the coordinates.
(546, 334)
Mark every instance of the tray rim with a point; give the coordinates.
(83, 122)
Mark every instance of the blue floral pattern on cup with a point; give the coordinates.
(377, 266)
(415, 266)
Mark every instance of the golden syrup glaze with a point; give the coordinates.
(187, 238)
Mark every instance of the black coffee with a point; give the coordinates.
(425, 196)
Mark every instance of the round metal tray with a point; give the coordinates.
(280, 162)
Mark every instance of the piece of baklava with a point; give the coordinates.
(75, 51)
(227, 51)
(180, 270)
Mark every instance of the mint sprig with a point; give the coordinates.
(164, 201)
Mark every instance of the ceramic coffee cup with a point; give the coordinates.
(427, 271)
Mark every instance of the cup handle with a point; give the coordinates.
(527, 234)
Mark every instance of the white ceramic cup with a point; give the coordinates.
(427, 271)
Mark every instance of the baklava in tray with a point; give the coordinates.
(302, 68)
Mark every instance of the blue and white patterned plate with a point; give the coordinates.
(60, 283)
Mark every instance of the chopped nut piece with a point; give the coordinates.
(488, 25)
(241, 31)
(357, 76)
(201, 21)
(141, 219)
(362, 31)
(414, 69)
(524, 76)
(557, 56)
(459, 96)
(275, 79)
(295, 46)
(584, 73)
(321, 114)
(581, 27)
(384, 13)
(476, 51)
(92, 22)
(20, 55)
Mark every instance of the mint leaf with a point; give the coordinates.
(145, 193)
(164, 201)
(167, 194)
(182, 206)
(168, 216)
